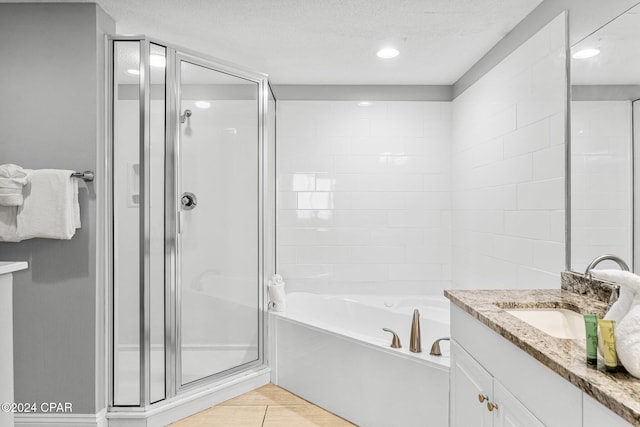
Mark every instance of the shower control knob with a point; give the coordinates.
(189, 201)
(482, 398)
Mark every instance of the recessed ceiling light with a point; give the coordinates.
(133, 71)
(387, 53)
(203, 104)
(157, 61)
(365, 104)
(586, 53)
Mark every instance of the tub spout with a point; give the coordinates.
(414, 342)
(435, 348)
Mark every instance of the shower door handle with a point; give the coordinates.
(189, 201)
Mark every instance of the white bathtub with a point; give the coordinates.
(331, 350)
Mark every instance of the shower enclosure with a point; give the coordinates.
(192, 196)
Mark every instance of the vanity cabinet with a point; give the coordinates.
(527, 393)
(6, 337)
(486, 366)
(478, 399)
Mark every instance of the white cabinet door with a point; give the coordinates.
(509, 412)
(468, 382)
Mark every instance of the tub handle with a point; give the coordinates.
(395, 341)
(435, 348)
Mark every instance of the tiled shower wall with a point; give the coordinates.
(364, 196)
(508, 169)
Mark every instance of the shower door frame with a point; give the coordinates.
(262, 111)
(172, 345)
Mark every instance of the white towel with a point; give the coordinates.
(8, 224)
(50, 208)
(12, 179)
(277, 296)
(628, 339)
(629, 286)
(626, 313)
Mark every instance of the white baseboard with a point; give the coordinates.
(62, 420)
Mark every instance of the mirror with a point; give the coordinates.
(605, 117)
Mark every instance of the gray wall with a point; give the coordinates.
(52, 116)
(585, 16)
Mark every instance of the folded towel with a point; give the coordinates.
(626, 313)
(277, 296)
(628, 339)
(50, 208)
(12, 179)
(8, 224)
(629, 286)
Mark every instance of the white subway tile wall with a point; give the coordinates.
(364, 196)
(423, 196)
(601, 180)
(508, 169)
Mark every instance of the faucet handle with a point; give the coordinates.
(395, 341)
(435, 347)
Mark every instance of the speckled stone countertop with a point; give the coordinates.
(590, 288)
(620, 392)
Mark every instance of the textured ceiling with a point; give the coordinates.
(618, 62)
(330, 41)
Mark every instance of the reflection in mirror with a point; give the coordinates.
(605, 77)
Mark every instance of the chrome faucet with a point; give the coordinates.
(623, 265)
(414, 340)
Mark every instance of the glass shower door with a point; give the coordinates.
(219, 222)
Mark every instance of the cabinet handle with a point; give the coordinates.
(482, 397)
(492, 406)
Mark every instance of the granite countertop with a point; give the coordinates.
(620, 392)
(11, 266)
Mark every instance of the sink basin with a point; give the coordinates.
(557, 322)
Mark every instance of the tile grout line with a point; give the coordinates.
(265, 416)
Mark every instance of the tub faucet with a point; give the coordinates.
(395, 342)
(435, 348)
(414, 341)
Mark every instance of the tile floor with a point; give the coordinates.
(268, 406)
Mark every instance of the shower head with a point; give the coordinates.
(187, 113)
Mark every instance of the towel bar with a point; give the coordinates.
(87, 176)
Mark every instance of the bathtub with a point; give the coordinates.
(331, 351)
